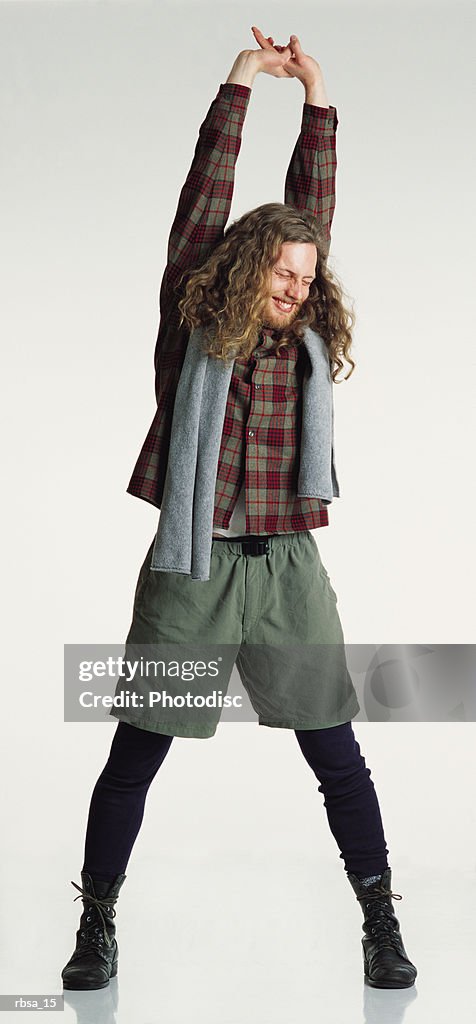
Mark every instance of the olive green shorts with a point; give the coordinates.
(274, 614)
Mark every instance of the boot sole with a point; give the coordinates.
(378, 984)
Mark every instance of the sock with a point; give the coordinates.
(99, 878)
(370, 880)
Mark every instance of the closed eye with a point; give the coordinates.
(287, 277)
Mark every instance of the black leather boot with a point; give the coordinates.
(386, 964)
(95, 958)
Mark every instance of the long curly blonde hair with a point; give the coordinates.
(227, 294)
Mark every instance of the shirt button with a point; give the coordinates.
(257, 386)
(251, 433)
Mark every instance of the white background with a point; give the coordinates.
(235, 870)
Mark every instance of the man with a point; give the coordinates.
(261, 292)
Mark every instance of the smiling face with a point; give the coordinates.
(289, 283)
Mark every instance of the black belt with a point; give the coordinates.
(252, 544)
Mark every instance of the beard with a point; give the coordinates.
(274, 319)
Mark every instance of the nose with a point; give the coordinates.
(294, 293)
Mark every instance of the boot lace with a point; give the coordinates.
(92, 928)
(380, 920)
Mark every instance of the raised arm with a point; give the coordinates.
(204, 202)
(311, 176)
(310, 179)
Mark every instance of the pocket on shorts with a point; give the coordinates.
(143, 578)
(324, 575)
(328, 585)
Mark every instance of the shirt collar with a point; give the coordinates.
(270, 332)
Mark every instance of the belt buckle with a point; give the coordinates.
(255, 547)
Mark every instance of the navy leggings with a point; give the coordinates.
(117, 802)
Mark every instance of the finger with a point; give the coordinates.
(296, 45)
(258, 34)
(261, 39)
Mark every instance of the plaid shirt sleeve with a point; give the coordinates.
(201, 217)
(310, 179)
(202, 213)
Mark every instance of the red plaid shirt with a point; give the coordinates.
(261, 432)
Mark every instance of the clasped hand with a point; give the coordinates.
(284, 61)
